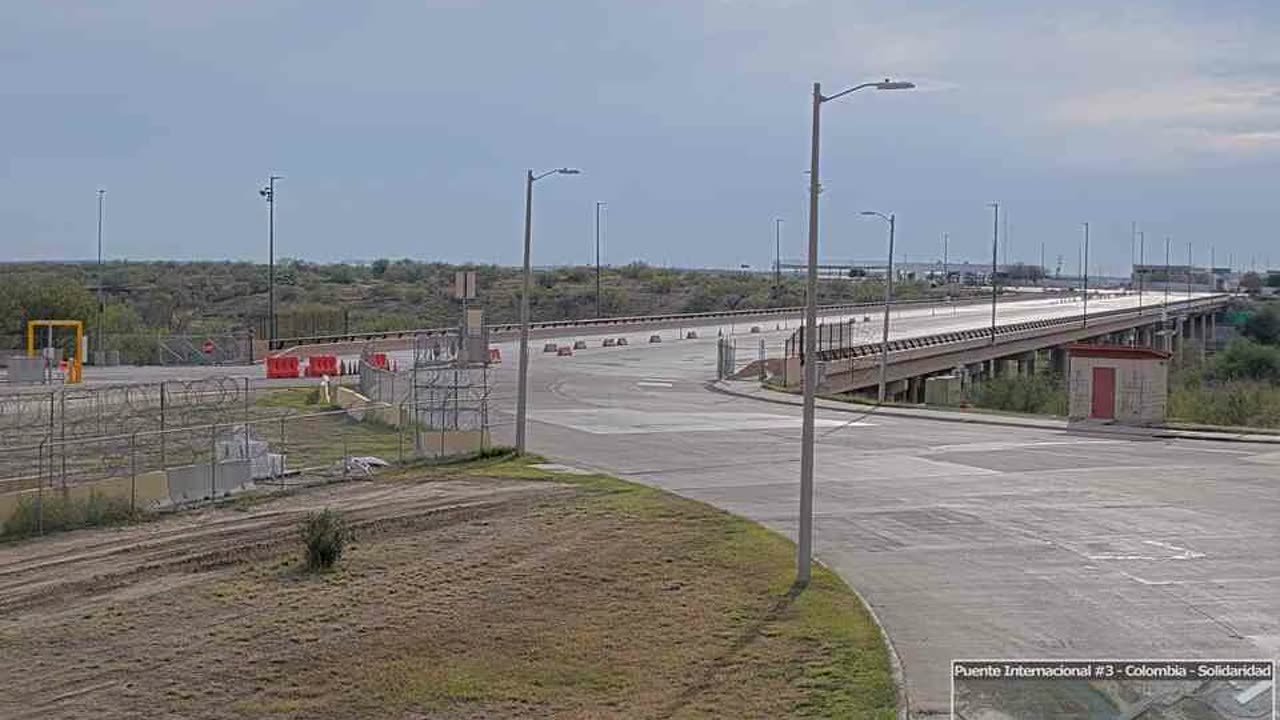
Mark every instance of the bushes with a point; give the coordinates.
(57, 511)
(1264, 325)
(1043, 394)
(1246, 360)
(1241, 403)
(325, 535)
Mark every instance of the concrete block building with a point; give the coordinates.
(1117, 384)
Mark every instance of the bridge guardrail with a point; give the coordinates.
(286, 343)
(874, 349)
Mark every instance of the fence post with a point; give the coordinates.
(400, 435)
(213, 462)
(62, 431)
(284, 455)
(163, 461)
(247, 458)
(40, 487)
(133, 472)
(346, 458)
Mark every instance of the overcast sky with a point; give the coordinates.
(405, 128)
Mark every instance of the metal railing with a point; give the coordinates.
(513, 328)
(838, 350)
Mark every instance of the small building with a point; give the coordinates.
(1117, 384)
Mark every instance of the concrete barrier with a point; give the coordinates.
(189, 483)
(361, 408)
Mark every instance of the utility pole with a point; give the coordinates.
(1006, 238)
(995, 246)
(102, 307)
(1044, 271)
(269, 194)
(1168, 277)
(1086, 275)
(599, 205)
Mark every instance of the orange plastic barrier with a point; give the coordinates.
(285, 366)
(319, 365)
(379, 360)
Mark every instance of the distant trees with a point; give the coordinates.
(1251, 282)
(1264, 325)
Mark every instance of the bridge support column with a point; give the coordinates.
(1213, 330)
(1058, 360)
(1027, 364)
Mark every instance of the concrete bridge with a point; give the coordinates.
(1027, 335)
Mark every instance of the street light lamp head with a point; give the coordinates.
(569, 171)
(869, 213)
(888, 84)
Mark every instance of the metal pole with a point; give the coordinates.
(777, 260)
(804, 543)
(1086, 275)
(102, 308)
(522, 390)
(1188, 270)
(598, 206)
(888, 298)
(995, 246)
(1142, 261)
(269, 192)
(1168, 279)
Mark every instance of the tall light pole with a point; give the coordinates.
(522, 396)
(1168, 278)
(888, 298)
(1189, 273)
(599, 205)
(102, 307)
(1142, 261)
(269, 194)
(804, 544)
(1085, 322)
(995, 247)
(777, 260)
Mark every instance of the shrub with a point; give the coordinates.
(325, 535)
(1043, 394)
(1247, 360)
(56, 511)
(1264, 325)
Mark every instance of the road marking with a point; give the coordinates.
(654, 383)
(621, 421)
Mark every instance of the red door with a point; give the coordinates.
(1104, 393)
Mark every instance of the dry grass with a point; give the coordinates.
(581, 598)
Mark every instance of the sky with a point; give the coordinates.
(404, 129)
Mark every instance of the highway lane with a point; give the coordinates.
(967, 540)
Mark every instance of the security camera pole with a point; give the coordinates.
(522, 393)
(269, 194)
(804, 544)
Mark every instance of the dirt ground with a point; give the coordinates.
(469, 593)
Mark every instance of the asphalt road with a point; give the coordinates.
(967, 540)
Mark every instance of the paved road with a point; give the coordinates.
(967, 540)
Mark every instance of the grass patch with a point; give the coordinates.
(57, 511)
(1036, 394)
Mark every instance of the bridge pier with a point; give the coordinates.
(1058, 360)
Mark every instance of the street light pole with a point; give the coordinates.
(995, 247)
(888, 298)
(1086, 275)
(522, 393)
(1142, 261)
(777, 260)
(804, 543)
(102, 308)
(599, 205)
(269, 194)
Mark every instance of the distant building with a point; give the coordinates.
(1181, 277)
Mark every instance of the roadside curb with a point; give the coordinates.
(948, 416)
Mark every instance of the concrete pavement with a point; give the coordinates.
(967, 540)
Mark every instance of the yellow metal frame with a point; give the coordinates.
(76, 367)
